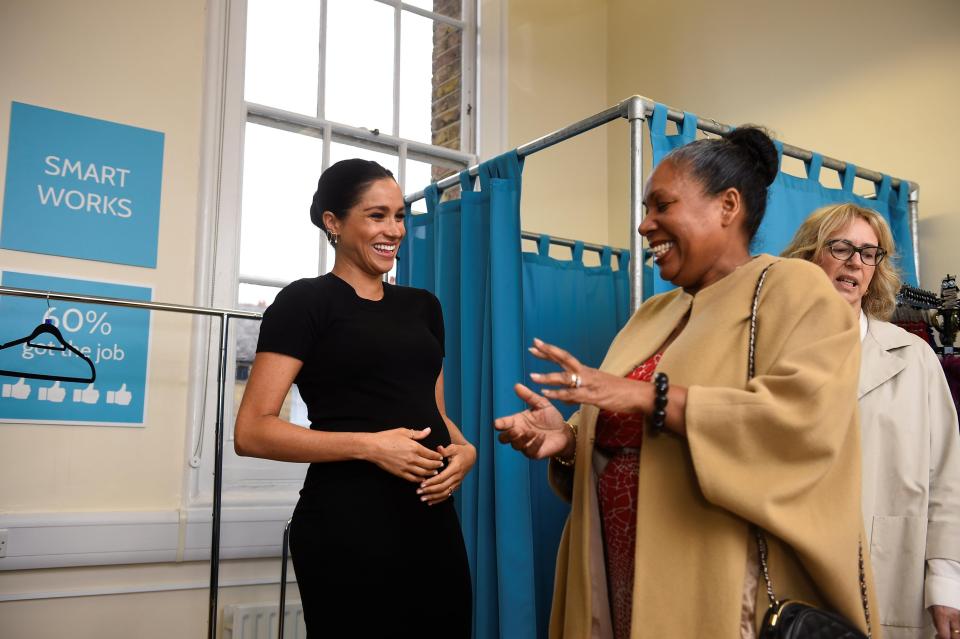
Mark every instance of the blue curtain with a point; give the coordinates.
(792, 199)
(467, 252)
(495, 301)
(661, 144)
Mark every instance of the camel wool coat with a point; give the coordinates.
(782, 451)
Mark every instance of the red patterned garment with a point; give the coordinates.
(619, 436)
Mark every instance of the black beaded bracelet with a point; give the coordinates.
(661, 384)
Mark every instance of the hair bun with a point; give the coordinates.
(316, 210)
(757, 143)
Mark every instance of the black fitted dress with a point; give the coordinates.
(371, 559)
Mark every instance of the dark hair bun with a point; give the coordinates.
(756, 142)
(340, 187)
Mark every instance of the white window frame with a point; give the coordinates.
(253, 514)
(225, 116)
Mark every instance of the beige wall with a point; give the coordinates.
(874, 83)
(177, 609)
(137, 63)
(556, 75)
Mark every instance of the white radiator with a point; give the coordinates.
(259, 621)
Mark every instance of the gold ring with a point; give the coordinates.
(575, 381)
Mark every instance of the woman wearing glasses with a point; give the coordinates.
(910, 442)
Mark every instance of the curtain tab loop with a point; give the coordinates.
(543, 245)
(605, 255)
(848, 175)
(883, 189)
(814, 164)
(578, 251)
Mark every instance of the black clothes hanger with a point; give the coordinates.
(49, 328)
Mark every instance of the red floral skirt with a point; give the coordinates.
(619, 437)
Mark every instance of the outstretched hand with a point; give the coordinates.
(537, 432)
(581, 384)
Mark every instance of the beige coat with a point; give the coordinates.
(782, 451)
(911, 471)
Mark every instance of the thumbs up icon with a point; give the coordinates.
(55, 393)
(121, 397)
(20, 390)
(88, 395)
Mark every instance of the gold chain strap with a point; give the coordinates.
(761, 541)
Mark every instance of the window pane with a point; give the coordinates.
(256, 298)
(345, 152)
(283, 54)
(245, 335)
(359, 65)
(416, 77)
(280, 173)
(449, 8)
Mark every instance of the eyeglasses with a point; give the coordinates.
(843, 250)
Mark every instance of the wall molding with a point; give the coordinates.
(62, 540)
(145, 588)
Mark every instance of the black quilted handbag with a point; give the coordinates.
(797, 620)
(787, 619)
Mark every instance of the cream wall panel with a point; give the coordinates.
(557, 75)
(148, 602)
(138, 63)
(874, 83)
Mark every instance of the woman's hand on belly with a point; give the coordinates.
(399, 452)
(460, 459)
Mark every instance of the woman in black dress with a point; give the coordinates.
(375, 540)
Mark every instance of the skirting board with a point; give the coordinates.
(60, 540)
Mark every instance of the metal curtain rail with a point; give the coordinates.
(636, 109)
(225, 316)
(562, 241)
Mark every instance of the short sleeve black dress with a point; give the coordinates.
(371, 559)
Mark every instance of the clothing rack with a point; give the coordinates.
(940, 312)
(636, 109)
(225, 316)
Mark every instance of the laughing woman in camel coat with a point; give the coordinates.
(673, 556)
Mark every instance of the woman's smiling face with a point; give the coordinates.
(687, 230)
(373, 228)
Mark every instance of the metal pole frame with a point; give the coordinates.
(636, 109)
(225, 316)
(282, 608)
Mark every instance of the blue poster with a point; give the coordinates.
(81, 187)
(114, 338)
